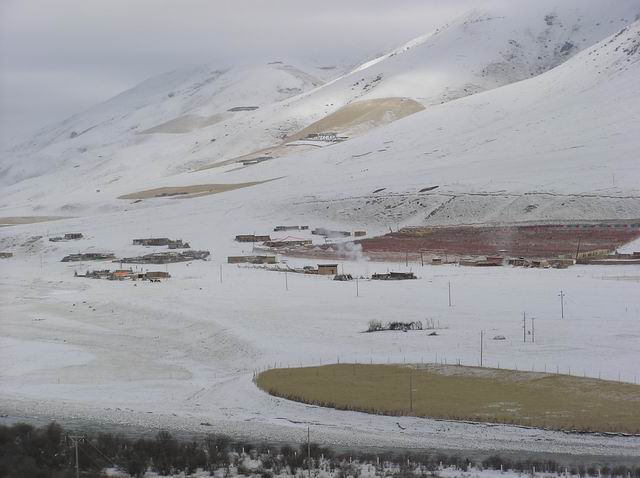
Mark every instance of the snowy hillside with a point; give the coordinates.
(181, 121)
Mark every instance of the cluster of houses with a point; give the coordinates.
(266, 240)
(328, 233)
(125, 274)
(70, 236)
(6, 255)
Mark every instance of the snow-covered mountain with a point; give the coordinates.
(518, 101)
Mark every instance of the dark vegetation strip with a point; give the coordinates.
(47, 452)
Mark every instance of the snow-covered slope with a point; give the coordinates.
(181, 101)
(567, 131)
(181, 120)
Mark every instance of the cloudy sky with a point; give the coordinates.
(60, 57)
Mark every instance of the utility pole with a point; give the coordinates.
(221, 273)
(406, 259)
(357, 288)
(421, 259)
(533, 329)
(524, 326)
(286, 281)
(481, 345)
(449, 294)
(561, 295)
(75, 439)
(309, 451)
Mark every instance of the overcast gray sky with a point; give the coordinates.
(60, 57)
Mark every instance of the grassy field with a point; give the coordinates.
(464, 393)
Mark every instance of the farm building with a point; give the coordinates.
(321, 231)
(359, 233)
(252, 238)
(288, 243)
(327, 269)
(585, 256)
(70, 236)
(152, 241)
(394, 276)
(178, 244)
(157, 275)
(486, 262)
(6, 255)
(290, 228)
(251, 259)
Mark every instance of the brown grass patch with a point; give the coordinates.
(195, 190)
(17, 220)
(541, 400)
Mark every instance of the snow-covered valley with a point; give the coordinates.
(502, 116)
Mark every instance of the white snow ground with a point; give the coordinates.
(183, 352)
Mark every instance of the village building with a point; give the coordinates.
(251, 259)
(70, 236)
(290, 228)
(288, 243)
(6, 255)
(327, 269)
(321, 231)
(359, 233)
(152, 241)
(89, 256)
(252, 238)
(166, 257)
(394, 276)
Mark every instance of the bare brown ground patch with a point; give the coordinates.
(353, 119)
(360, 116)
(519, 241)
(184, 124)
(535, 399)
(195, 190)
(17, 220)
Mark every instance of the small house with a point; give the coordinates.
(157, 275)
(73, 235)
(327, 269)
(252, 238)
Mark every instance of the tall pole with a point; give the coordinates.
(533, 329)
(221, 273)
(406, 259)
(561, 295)
(524, 326)
(286, 281)
(75, 440)
(449, 294)
(309, 451)
(357, 288)
(421, 259)
(481, 345)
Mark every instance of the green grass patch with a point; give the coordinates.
(560, 402)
